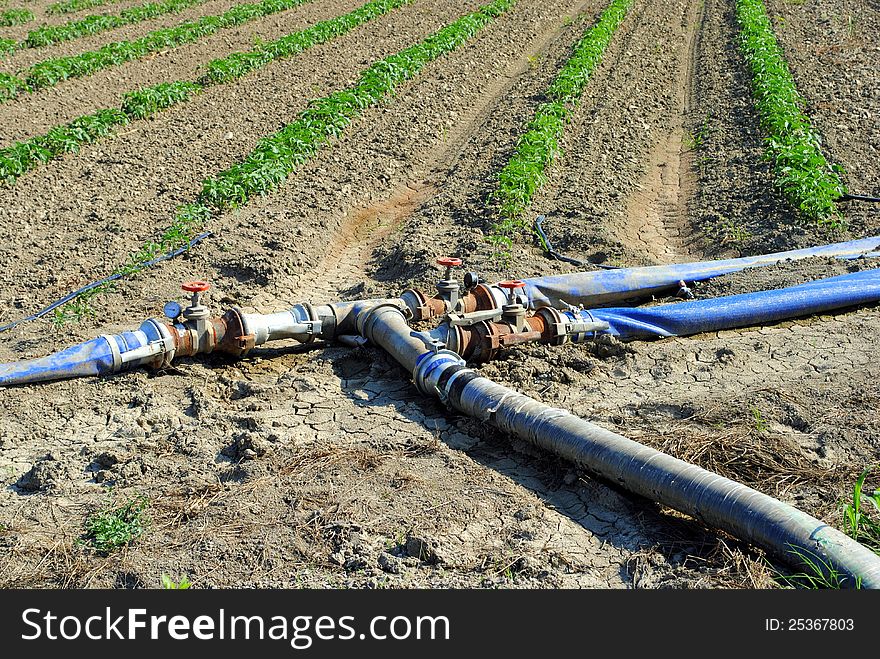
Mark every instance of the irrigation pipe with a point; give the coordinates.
(95, 284)
(790, 534)
(858, 197)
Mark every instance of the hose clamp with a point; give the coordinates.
(430, 366)
(114, 351)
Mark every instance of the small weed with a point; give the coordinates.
(169, 584)
(861, 526)
(819, 574)
(759, 420)
(727, 231)
(75, 311)
(114, 527)
(695, 140)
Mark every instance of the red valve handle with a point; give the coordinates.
(512, 284)
(449, 262)
(196, 286)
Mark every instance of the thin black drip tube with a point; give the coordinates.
(859, 197)
(561, 257)
(119, 275)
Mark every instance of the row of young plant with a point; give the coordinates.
(73, 6)
(809, 182)
(46, 35)
(52, 71)
(69, 138)
(277, 156)
(10, 17)
(538, 146)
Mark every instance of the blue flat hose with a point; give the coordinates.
(749, 309)
(606, 286)
(90, 358)
(95, 284)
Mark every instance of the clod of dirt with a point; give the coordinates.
(424, 549)
(390, 564)
(46, 473)
(248, 445)
(107, 459)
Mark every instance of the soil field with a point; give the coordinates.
(321, 465)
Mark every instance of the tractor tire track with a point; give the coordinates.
(658, 218)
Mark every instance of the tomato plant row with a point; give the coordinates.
(52, 71)
(538, 146)
(793, 145)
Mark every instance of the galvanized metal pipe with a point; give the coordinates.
(790, 534)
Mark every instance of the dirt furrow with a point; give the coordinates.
(350, 248)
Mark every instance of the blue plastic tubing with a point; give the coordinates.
(685, 318)
(606, 286)
(790, 534)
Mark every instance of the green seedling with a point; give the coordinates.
(47, 35)
(10, 17)
(818, 575)
(862, 516)
(759, 420)
(695, 140)
(72, 6)
(169, 584)
(7, 46)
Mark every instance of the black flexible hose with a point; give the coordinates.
(67, 298)
(561, 257)
(858, 197)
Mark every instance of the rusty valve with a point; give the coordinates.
(448, 287)
(513, 312)
(448, 262)
(195, 310)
